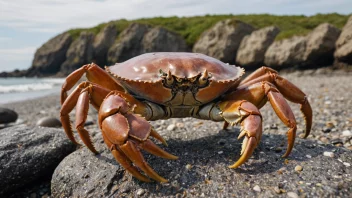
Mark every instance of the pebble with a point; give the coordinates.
(346, 133)
(326, 129)
(257, 188)
(292, 195)
(329, 154)
(298, 168)
(180, 125)
(309, 156)
(140, 192)
(347, 164)
(49, 122)
(171, 127)
(188, 166)
(277, 190)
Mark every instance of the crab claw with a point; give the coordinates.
(126, 134)
(245, 112)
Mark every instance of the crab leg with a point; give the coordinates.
(94, 74)
(245, 112)
(286, 88)
(80, 96)
(129, 133)
(263, 91)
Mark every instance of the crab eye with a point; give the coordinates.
(169, 78)
(204, 78)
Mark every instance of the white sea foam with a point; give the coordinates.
(28, 84)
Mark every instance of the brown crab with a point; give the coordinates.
(173, 85)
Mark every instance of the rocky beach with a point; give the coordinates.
(37, 160)
(319, 166)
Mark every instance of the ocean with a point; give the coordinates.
(18, 89)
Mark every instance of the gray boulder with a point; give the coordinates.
(102, 42)
(79, 53)
(129, 43)
(49, 57)
(320, 45)
(223, 39)
(7, 115)
(253, 47)
(159, 39)
(27, 154)
(343, 51)
(286, 52)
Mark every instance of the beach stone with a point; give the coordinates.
(286, 52)
(7, 115)
(49, 122)
(28, 153)
(320, 45)
(343, 51)
(223, 40)
(253, 47)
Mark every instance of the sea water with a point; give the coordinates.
(17, 89)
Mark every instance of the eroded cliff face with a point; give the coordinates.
(230, 40)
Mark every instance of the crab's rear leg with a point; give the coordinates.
(94, 74)
(80, 98)
(286, 88)
(248, 115)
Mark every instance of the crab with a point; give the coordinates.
(166, 85)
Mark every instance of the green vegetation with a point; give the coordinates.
(192, 27)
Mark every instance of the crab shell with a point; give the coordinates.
(144, 77)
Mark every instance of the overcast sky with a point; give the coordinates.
(26, 24)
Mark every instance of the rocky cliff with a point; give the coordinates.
(230, 40)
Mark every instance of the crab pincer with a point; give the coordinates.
(127, 134)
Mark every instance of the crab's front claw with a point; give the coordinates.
(251, 125)
(126, 134)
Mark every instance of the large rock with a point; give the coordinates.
(102, 42)
(159, 39)
(223, 40)
(253, 47)
(286, 52)
(343, 51)
(27, 154)
(320, 45)
(7, 115)
(49, 57)
(79, 53)
(202, 168)
(129, 43)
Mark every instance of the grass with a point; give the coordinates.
(190, 28)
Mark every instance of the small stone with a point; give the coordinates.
(329, 154)
(33, 195)
(346, 133)
(49, 122)
(278, 149)
(222, 142)
(257, 188)
(318, 184)
(347, 164)
(309, 156)
(188, 166)
(298, 168)
(220, 152)
(273, 126)
(326, 130)
(140, 192)
(324, 139)
(277, 190)
(292, 195)
(171, 127)
(180, 125)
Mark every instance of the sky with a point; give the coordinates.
(27, 24)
